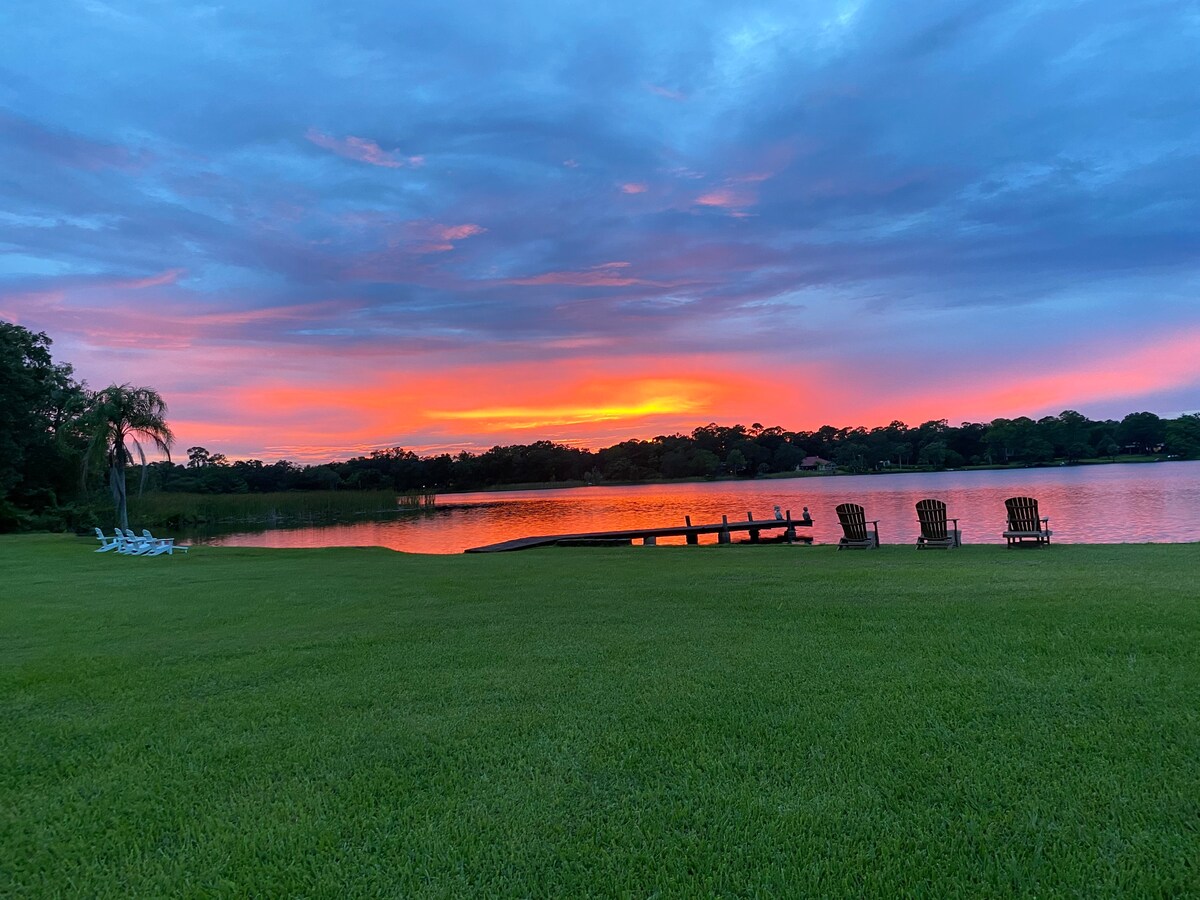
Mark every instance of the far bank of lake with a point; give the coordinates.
(1118, 503)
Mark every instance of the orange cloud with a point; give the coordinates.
(471, 406)
(633, 187)
(660, 398)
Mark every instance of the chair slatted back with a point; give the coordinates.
(932, 516)
(853, 519)
(1023, 514)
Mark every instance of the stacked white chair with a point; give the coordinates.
(127, 543)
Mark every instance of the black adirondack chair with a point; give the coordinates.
(854, 524)
(934, 526)
(1025, 526)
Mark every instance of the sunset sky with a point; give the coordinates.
(321, 228)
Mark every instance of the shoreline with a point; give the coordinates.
(780, 476)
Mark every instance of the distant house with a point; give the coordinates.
(816, 464)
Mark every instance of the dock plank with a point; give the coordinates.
(634, 534)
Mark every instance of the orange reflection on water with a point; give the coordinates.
(1086, 504)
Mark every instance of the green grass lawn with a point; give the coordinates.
(739, 721)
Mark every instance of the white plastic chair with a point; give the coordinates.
(124, 547)
(161, 545)
(136, 546)
(106, 543)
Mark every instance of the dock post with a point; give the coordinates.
(649, 541)
(753, 531)
(723, 534)
(692, 538)
(789, 533)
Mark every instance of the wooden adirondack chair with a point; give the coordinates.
(853, 520)
(1025, 526)
(934, 533)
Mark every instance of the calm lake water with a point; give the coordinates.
(1157, 502)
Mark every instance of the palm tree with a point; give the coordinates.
(122, 415)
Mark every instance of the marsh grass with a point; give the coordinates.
(176, 509)
(703, 721)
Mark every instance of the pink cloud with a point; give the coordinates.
(403, 240)
(170, 276)
(727, 198)
(179, 325)
(739, 191)
(633, 187)
(603, 275)
(668, 93)
(458, 232)
(441, 238)
(362, 150)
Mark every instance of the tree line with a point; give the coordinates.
(710, 451)
(59, 442)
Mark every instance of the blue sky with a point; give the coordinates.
(322, 228)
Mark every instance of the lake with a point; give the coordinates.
(1133, 503)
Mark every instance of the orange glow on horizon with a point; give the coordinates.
(311, 403)
(595, 402)
(521, 418)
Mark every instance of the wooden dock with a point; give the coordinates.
(724, 530)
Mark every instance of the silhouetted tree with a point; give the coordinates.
(121, 415)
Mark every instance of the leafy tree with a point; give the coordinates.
(1142, 431)
(934, 454)
(1072, 427)
(1077, 451)
(1038, 450)
(999, 440)
(121, 415)
(1183, 435)
(39, 403)
(787, 457)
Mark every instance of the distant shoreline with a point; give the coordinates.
(775, 476)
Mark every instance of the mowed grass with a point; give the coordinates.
(739, 721)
